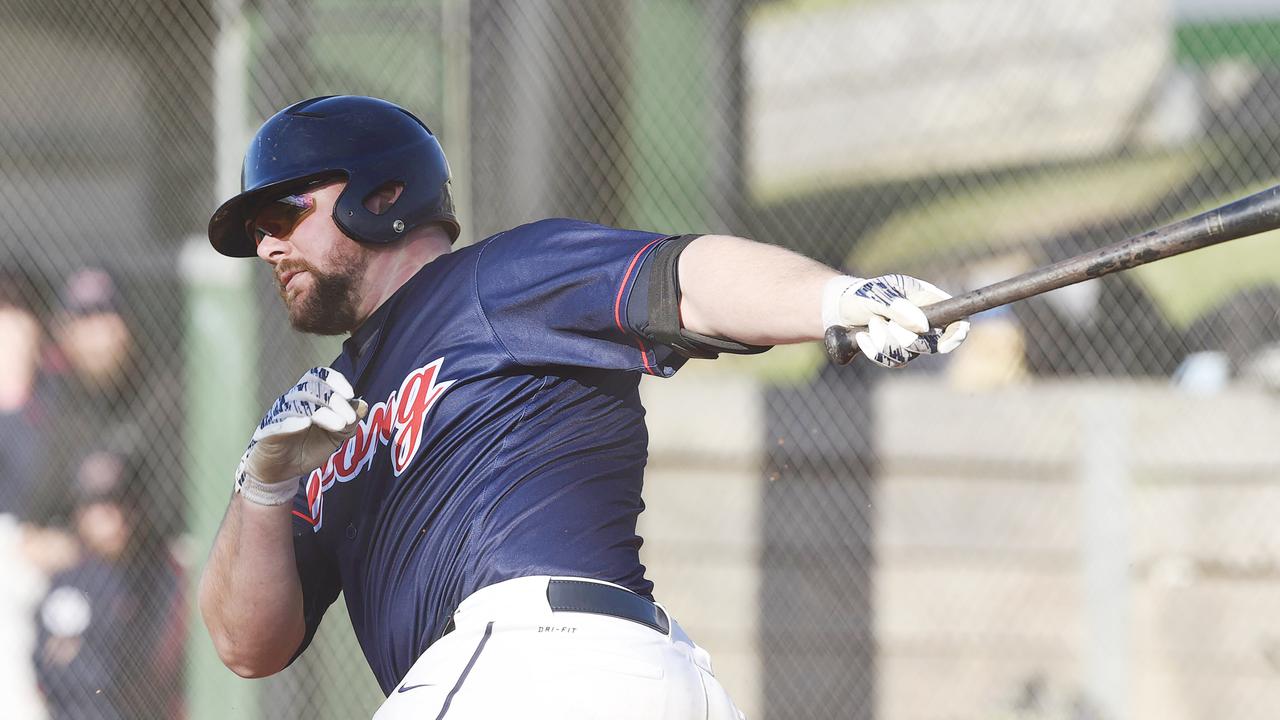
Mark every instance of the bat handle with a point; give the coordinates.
(842, 348)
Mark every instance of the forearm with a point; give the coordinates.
(751, 292)
(250, 594)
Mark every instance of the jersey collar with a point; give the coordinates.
(363, 343)
(362, 346)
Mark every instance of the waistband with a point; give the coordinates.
(542, 594)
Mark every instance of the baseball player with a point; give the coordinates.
(467, 472)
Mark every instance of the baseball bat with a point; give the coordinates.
(1254, 214)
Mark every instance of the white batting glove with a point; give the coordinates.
(884, 312)
(300, 431)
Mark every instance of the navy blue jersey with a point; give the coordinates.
(505, 435)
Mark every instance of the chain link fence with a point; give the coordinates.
(1068, 518)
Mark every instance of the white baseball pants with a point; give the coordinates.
(511, 655)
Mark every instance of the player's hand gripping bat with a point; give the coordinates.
(1249, 216)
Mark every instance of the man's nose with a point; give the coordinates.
(272, 248)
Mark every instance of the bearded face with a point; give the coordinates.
(319, 270)
(321, 298)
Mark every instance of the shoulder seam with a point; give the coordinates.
(484, 314)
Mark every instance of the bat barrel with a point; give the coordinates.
(1256, 213)
(1248, 216)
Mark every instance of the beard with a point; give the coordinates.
(329, 306)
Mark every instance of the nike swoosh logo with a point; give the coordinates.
(406, 688)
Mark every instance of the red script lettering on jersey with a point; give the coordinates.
(398, 421)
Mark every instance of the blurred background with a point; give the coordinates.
(1069, 518)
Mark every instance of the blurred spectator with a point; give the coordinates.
(100, 394)
(110, 629)
(93, 335)
(21, 458)
(1108, 326)
(994, 354)
(20, 444)
(88, 389)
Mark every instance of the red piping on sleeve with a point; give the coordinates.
(644, 358)
(617, 304)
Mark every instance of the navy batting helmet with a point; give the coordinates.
(367, 141)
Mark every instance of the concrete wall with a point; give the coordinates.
(872, 90)
(994, 594)
(1041, 551)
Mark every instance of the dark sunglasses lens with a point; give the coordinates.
(281, 217)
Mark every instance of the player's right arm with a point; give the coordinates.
(251, 594)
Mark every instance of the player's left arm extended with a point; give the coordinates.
(751, 292)
(761, 294)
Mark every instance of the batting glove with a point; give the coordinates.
(889, 326)
(300, 431)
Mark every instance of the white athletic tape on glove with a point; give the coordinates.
(889, 326)
(301, 429)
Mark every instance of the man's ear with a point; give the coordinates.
(381, 199)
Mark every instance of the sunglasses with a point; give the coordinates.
(279, 218)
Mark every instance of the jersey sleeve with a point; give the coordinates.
(566, 292)
(321, 582)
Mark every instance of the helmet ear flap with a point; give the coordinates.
(352, 213)
(379, 201)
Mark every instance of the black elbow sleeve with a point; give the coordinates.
(663, 325)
